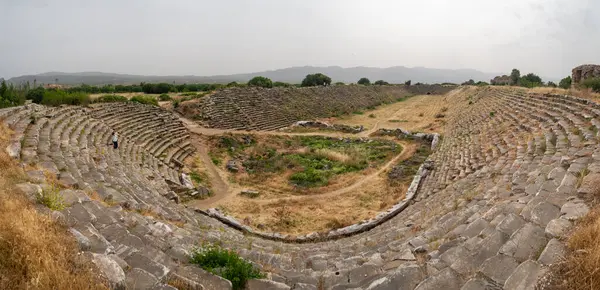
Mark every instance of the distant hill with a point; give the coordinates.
(397, 74)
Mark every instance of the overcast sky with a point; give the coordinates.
(175, 37)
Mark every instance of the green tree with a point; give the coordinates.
(262, 82)
(531, 80)
(407, 83)
(381, 83)
(364, 82)
(470, 82)
(552, 84)
(593, 83)
(515, 76)
(565, 83)
(317, 79)
(36, 95)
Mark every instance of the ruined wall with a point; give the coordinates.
(583, 72)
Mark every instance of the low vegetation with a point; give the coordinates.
(592, 83)
(147, 100)
(308, 161)
(225, 263)
(111, 99)
(54, 97)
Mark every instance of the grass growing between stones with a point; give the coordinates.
(36, 252)
(227, 264)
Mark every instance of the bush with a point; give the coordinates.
(340, 84)
(407, 83)
(381, 83)
(60, 97)
(227, 264)
(317, 79)
(364, 82)
(36, 95)
(565, 83)
(552, 84)
(164, 97)
(282, 85)
(148, 100)
(592, 83)
(110, 99)
(262, 82)
(530, 80)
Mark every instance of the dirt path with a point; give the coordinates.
(218, 185)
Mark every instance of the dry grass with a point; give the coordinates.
(332, 155)
(581, 93)
(36, 253)
(581, 270)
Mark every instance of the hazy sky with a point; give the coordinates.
(198, 37)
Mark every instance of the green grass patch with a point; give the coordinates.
(147, 100)
(225, 263)
(51, 198)
(110, 99)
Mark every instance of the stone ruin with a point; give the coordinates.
(584, 72)
(499, 197)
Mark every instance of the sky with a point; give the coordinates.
(197, 37)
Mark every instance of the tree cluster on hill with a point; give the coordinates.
(317, 79)
(10, 95)
(260, 82)
(364, 82)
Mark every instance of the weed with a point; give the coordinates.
(492, 113)
(225, 263)
(357, 112)
(581, 175)
(371, 115)
(51, 198)
(420, 114)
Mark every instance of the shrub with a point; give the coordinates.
(364, 82)
(407, 83)
(225, 263)
(262, 82)
(552, 84)
(164, 97)
(317, 79)
(565, 83)
(340, 84)
(60, 97)
(110, 99)
(51, 198)
(371, 115)
(381, 83)
(36, 95)
(530, 80)
(281, 85)
(592, 83)
(148, 100)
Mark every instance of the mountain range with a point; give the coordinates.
(396, 74)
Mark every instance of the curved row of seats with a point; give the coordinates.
(492, 213)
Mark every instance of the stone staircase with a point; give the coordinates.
(509, 177)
